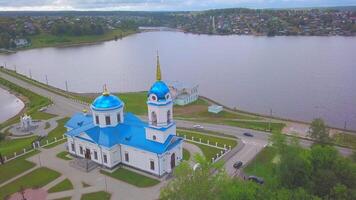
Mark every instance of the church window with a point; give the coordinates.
(73, 147)
(154, 137)
(107, 120)
(152, 165)
(118, 118)
(95, 155)
(81, 150)
(105, 158)
(153, 98)
(154, 118)
(126, 156)
(96, 119)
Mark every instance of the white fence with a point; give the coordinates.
(35, 145)
(224, 150)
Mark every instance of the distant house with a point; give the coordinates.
(183, 94)
(215, 109)
(21, 42)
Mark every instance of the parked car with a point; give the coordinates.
(248, 134)
(256, 179)
(238, 165)
(197, 126)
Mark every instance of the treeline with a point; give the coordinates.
(77, 29)
(297, 173)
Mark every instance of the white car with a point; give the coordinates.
(197, 126)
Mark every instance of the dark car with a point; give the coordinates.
(256, 179)
(248, 134)
(238, 165)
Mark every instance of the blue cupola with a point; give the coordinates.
(107, 101)
(160, 89)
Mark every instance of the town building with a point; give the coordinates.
(183, 94)
(111, 137)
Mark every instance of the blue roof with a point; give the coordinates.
(132, 133)
(160, 89)
(107, 102)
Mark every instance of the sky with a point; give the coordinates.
(161, 5)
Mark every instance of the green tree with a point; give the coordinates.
(319, 131)
(198, 184)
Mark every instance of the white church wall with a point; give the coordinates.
(161, 136)
(140, 159)
(161, 113)
(111, 113)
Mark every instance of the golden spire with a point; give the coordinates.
(106, 91)
(158, 70)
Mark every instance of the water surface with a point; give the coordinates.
(10, 105)
(297, 77)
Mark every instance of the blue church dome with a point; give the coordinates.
(160, 89)
(107, 101)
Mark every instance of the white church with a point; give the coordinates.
(109, 136)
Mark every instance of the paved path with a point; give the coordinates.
(193, 149)
(118, 189)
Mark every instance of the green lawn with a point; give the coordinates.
(261, 126)
(59, 130)
(37, 178)
(131, 177)
(48, 40)
(186, 154)
(42, 115)
(16, 167)
(96, 196)
(212, 139)
(262, 165)
(62, 186)
(209, 152)
(63, 155)
(8, 147)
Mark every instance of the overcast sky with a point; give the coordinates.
(157, 5)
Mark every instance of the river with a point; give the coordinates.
(10, 105)
(297, 77)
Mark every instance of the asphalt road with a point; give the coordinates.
(252, 145)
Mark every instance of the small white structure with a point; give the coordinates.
(183, 94)
(110, 137)
(215, 109)
(26, 123)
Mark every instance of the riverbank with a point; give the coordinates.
(44, 40)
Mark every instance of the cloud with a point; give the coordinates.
(154, 5)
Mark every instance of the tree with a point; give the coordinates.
(319, 131)
(198, 184)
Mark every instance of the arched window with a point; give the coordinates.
(118, 118)
(168, 116)
(154, 118)
(154, 137)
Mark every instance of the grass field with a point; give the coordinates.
(212, 139)
(345, 139)
(42, 115)
(186, 154)
(48, 40)
(59, 130)
(209, 152)
(96, 196)
(63, 155)
(262, 165)
(37, 178)
(62, 186)
(131, 177)
(8, 147)
(16, 167)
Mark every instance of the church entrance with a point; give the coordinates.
(87, 154)
(173, 160)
